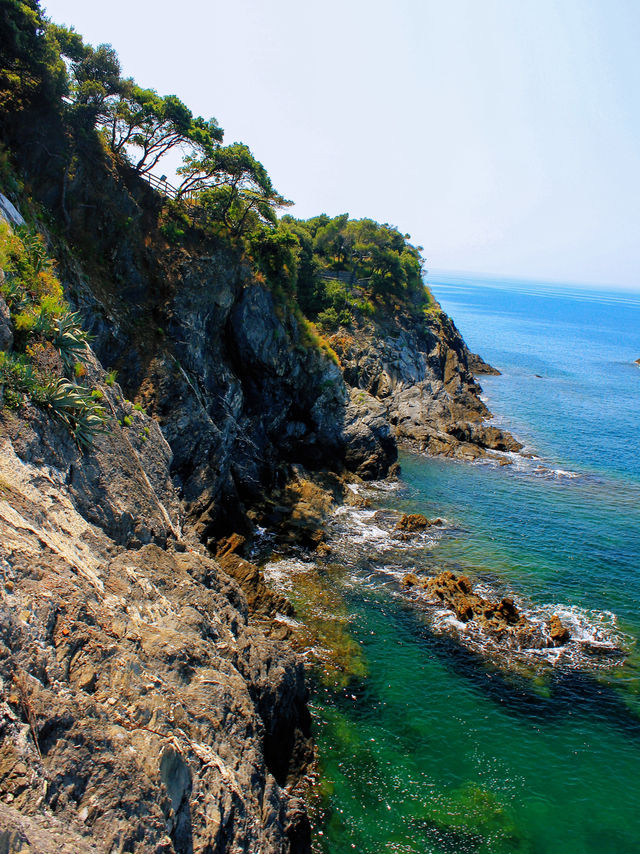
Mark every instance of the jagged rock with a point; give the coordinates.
(139, 707)
(500, 619)
(260, 599)
(229, 545)
(394, 472)
(485, 437)
(370, 448)
(421, 371)
(296, 514)
(477, 365)
(413, 522)
(558, 632)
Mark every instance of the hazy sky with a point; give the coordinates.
(502, 134)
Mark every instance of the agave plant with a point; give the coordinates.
(76, 408)
(70, 339)
(35, 248)
(14, 294)
(17, 373)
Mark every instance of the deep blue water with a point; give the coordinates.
(570, 385)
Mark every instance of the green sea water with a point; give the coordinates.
(427, 744)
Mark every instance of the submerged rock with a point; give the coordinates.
(558, 632)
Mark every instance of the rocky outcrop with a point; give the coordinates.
(500, 620)
(370, 446)
(140, 707)
(412, 522)
(421, 372)
(477, 365)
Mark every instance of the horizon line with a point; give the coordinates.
(500, 278)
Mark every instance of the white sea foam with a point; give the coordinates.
(280, 573)
(531, 465)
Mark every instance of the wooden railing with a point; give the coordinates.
(168, 190)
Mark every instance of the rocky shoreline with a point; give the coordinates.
(149, 698)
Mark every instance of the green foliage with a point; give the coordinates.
(348, 267)
(110, 378)
(231, 186)
(146, 126)
(76, 407)
(31, 68)
(275, 252)
(18, 377)
(48, 340)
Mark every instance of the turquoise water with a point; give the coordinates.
(428, 746)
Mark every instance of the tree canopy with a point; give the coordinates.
(349, 265)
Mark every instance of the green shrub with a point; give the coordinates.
(48, 341)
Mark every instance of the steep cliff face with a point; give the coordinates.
(140, 708)
(420, 371)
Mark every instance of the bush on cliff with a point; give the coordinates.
(48, 342)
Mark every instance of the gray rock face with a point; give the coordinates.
(239, 392)
(6, 329)
(418, 370)
(370, 446)
(139, 707)
(9, 212)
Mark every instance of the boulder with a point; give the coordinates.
(413, 522)
(558, 632)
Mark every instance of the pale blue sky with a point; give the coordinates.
(502, 134)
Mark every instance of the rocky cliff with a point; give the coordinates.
(141, 710)
(143, 707)
(421, 374)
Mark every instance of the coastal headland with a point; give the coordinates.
(174, 376)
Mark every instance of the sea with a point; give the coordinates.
(431, 739)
